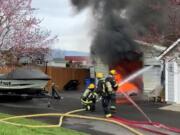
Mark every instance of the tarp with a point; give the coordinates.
(25, 74)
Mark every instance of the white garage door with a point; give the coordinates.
(152, 77)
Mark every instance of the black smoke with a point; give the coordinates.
(118, 22)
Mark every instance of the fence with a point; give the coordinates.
(60, 75)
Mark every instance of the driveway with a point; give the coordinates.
(71, 102)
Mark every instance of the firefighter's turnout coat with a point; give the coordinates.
(88, 99)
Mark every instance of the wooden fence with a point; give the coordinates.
(59, 75)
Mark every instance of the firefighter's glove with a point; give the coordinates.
(88, 108)
(86, 102)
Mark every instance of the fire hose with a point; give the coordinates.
(140, 123)
(4, 120)
(71, 112)
(116, 120)
(131, 123)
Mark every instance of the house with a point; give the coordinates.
(57, 62)
(78, 61)
(170, 69)
(152, 77)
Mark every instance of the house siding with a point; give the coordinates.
(152, 77)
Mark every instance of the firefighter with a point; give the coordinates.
(112, 86)
(100, 84)
(89, 98)
(54, 91)
(104, 93)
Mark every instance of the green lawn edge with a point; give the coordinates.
(6, 129)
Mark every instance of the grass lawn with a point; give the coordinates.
(14, 130)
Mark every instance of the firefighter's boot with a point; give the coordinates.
(113, 109)
(108, 115)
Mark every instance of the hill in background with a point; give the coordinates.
(57, 53)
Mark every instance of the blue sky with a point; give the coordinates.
(60, 17)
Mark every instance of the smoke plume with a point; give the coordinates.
(118, 22)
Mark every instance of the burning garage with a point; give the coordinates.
(131, 69)
(117, 23)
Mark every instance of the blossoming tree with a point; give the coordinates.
(171, 32)
(20, 32)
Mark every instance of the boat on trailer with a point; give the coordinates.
(23, 81)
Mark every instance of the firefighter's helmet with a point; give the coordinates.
(91, 86)
(113, 72)
(99, 75)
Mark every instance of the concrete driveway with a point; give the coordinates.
(71, 102)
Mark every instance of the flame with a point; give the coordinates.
(125, 69)
(128, 88)
(118, 78)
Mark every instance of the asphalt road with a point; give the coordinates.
(71, 102)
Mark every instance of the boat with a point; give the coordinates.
(23, 80)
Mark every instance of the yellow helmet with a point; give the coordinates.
(91, 86)
(99, 75)
(113, 72)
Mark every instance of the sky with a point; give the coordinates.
(60, 17)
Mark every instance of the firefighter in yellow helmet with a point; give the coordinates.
(100, 83)
(99, 75)
(111, 79)
(112, 86)
(106, 89)
(89, 98)
(112, 71)
(102, 91)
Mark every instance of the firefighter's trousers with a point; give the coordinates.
(108, 103)
(90, 106)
